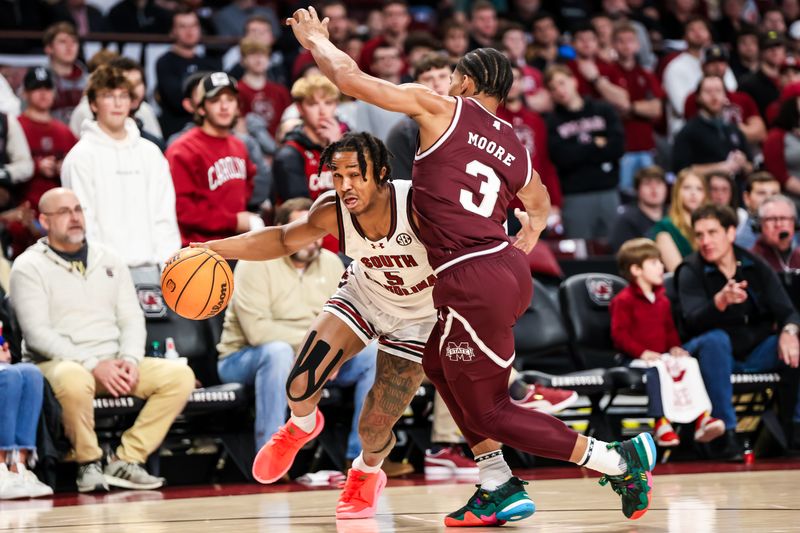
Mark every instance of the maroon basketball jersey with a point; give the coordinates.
(464, 182)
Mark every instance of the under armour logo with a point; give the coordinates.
(496, 125)
(378, 245)
(461, 352)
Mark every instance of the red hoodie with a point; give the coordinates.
(638, 325)
(213, 179)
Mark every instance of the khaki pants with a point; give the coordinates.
(165, 385)
(444, 429)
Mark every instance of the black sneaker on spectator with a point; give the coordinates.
(126, 475)
(90, 478)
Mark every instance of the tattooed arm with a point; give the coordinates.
(396, 382)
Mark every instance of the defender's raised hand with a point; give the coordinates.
(306, 25)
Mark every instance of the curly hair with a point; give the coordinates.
(361, 143)
(490, 70)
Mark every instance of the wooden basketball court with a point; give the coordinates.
(696, 503)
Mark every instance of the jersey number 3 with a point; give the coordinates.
(490, 187)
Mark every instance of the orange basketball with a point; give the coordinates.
(197, 283)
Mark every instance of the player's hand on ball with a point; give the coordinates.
(532, 228)
(305, 24)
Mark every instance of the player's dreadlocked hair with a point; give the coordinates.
(490, 70)
(360, 143)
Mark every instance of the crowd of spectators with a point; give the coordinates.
(644, 118)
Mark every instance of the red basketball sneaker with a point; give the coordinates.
(547, 399)
(449, 461)
(708, 428)
(275, 458)
(665, 434)
(359, 498)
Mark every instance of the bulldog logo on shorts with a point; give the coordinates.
(601, 290)
(460, 352)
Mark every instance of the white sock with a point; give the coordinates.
(599, 457)
(305, 423)
(360, 465)
(493, 470)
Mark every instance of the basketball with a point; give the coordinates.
(197, 283)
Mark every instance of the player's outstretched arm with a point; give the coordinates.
(411, 98)
(536, 199)
(279, 241)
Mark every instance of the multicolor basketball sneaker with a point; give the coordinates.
(508, 503)
(275, 458)
(635, 486)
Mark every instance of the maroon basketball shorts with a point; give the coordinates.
(479, 301)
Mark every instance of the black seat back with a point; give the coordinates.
(584, 303)
(193, 340)
(540, 336)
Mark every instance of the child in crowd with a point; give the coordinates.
(256, 94)
(643, 330)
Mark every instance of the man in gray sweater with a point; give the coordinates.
(82, 325)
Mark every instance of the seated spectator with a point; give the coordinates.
(16, 163)
(531, 129)
(782, 146)
(740, 110)
(123, 181)
(586, 140)
(673, 234)
(296, 165)
(546, 49)
(211, 170)
(758, 187)
(387, 64)
(515, 47)
(257, 94)
(683, 74)
(790, 75)
(49, 141)
(434, 72)
(141, 111)
(455, 40)
(483, 24)
(732, 305)
(84, 17)
(338, 33)
(274, 305)
(595, 77)
(635, 220)
(20, 405)
(58, 287)
(396, 19)
(777, 223)
(722, 191)
(61, 46)
(761, 85)
(645, 95)
(706, 142)
(175, 65)
(744, 57)
(643, 330)
(259, 29)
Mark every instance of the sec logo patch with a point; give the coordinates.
(404, 239)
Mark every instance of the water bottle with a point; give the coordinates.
(171, 352)
(748, 455)
(156, 350)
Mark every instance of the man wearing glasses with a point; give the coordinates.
(83, 327)
(777, 218)
(122, 180)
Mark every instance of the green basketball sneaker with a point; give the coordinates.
(636, 485)
(508, 503)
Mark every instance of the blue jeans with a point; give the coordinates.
(266, 367)
(715, 354)
(630, 163)
(20, 405)
(359, 371)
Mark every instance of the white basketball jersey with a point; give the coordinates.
(393, 270)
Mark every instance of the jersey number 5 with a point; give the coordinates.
(489, 189)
